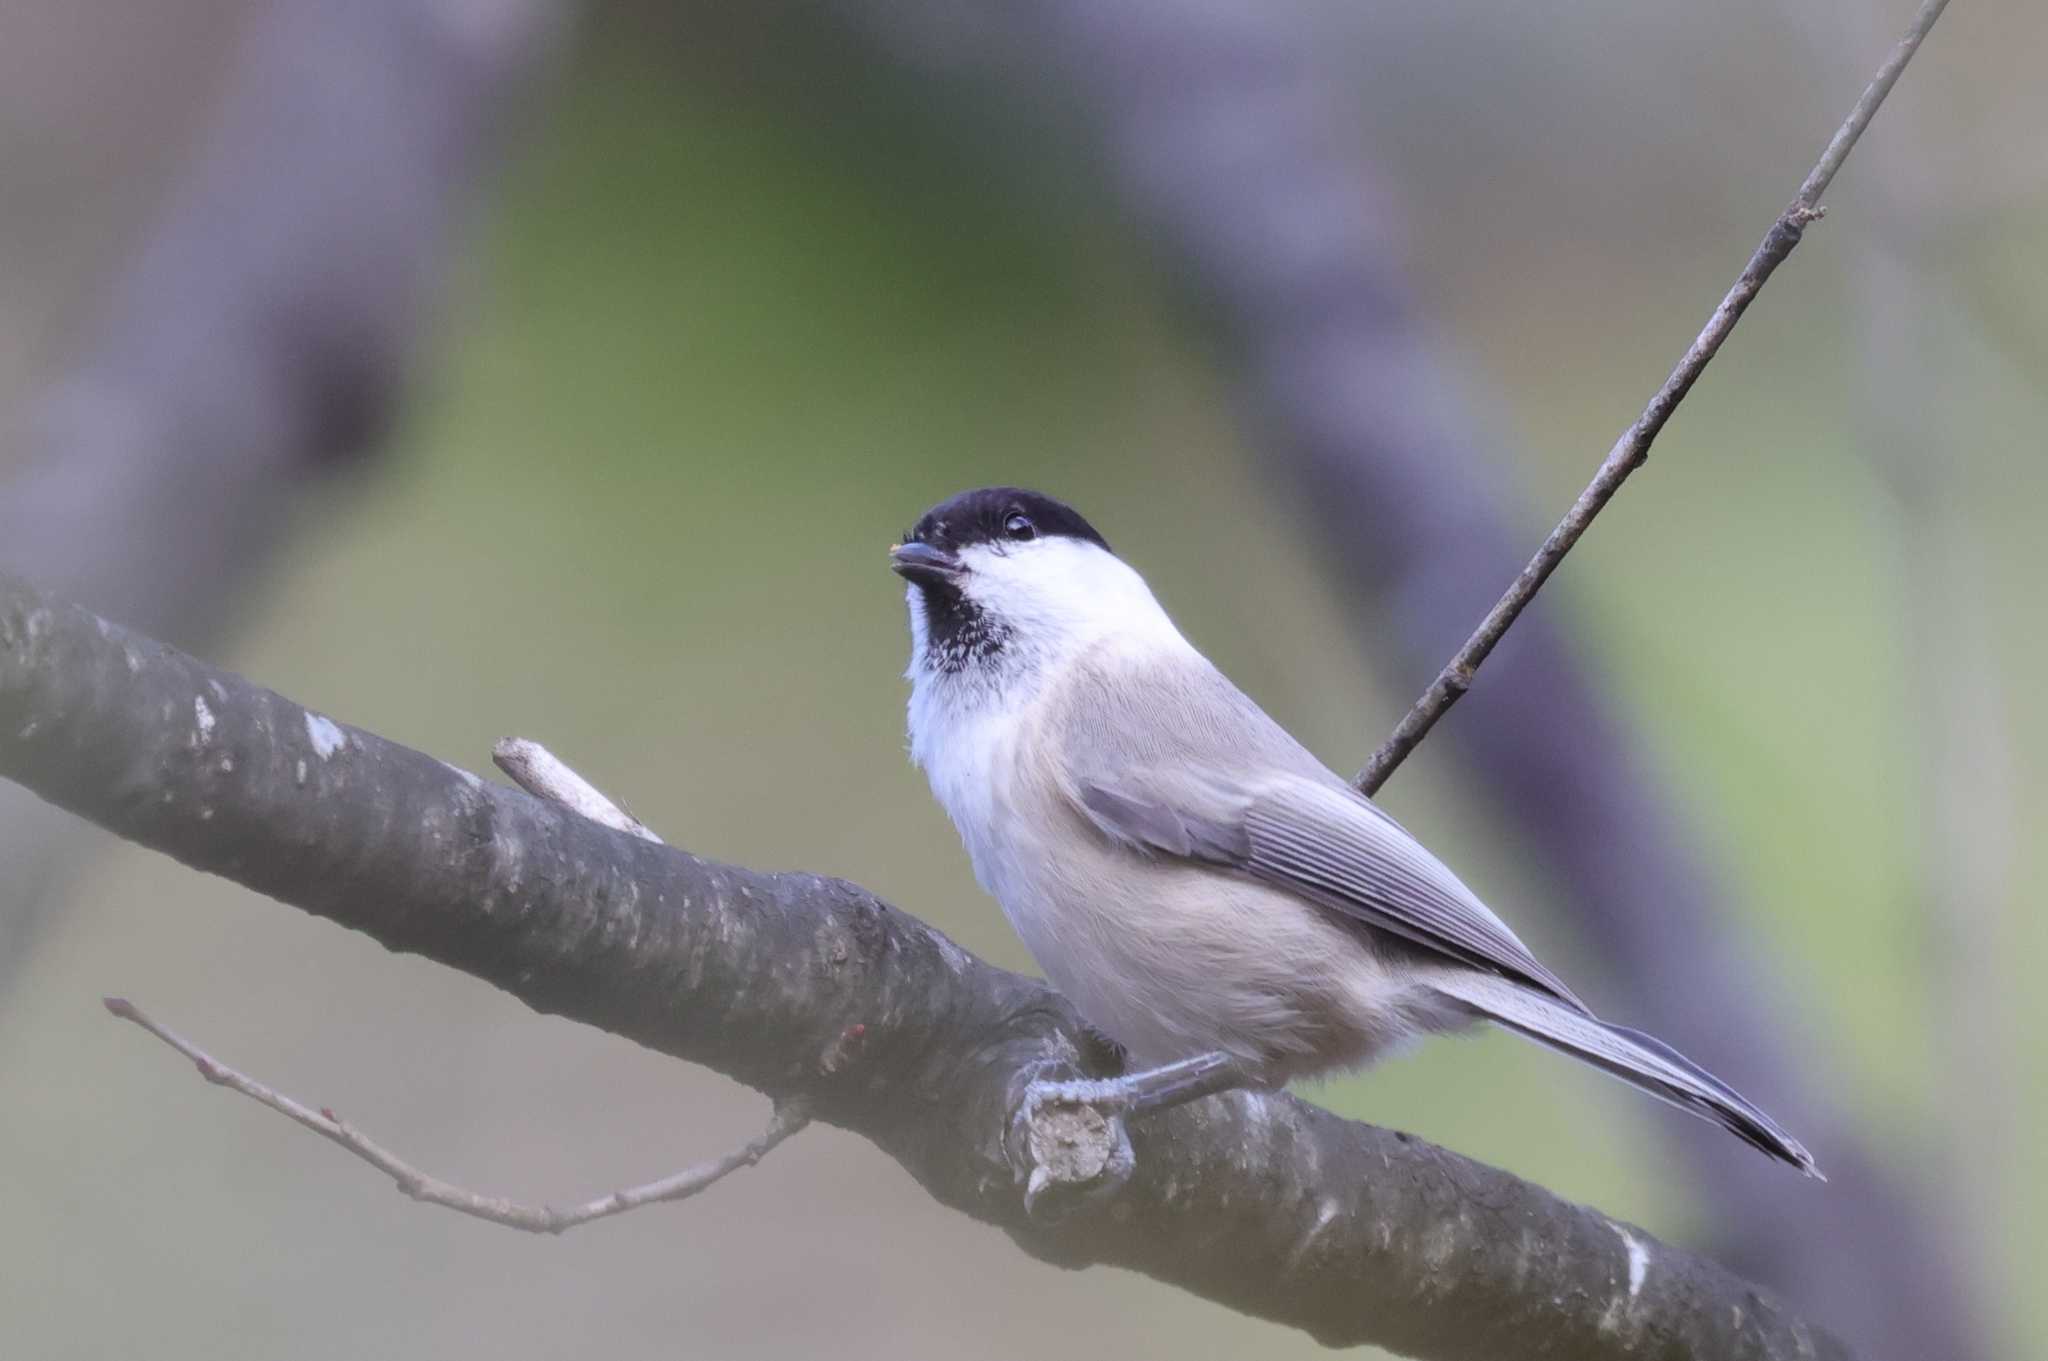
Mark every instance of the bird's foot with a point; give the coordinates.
(1068, 1145)
(1067, 1141)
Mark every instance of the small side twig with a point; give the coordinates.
(1632, 450)
(544, 775)
(788, 1118)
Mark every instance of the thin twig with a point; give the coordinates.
(541, 773)
(1633, 448)
(544, 775)
(788, 1118)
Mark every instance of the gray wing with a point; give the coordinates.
(1329, 845)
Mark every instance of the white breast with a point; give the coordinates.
(968, 747)
(1168, 959)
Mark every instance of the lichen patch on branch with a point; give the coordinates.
(325, 735)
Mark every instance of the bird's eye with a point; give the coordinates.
(1019, 527)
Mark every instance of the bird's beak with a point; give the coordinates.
(924, 564)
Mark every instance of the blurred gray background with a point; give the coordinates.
(734, 293)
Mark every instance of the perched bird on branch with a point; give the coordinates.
(1208, 894)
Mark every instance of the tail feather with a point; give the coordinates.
(1640, 1060)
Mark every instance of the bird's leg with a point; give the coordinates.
(1149, 1089)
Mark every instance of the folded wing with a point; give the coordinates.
(1321, 841)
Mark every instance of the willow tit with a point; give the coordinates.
(1208, 894)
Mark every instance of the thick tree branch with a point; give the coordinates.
(812, 989)
(786, 1120)
(1632, 450)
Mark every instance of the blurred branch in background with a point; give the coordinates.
(1918, 337)
(1223, 134)
(814, 991)
(262, 333)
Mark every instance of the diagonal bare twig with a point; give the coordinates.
(789, 1117)
(1632, 450)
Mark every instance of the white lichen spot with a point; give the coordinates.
(134, 662)
(202, 717)
(1439, 1244)
(1638, 1260)
(301, 772)
(29, 728)
(227, 765)
(1327, 1210)
(325, 734)
(956, 960)
(206, 815)
(1257, 1115)
(220, 691)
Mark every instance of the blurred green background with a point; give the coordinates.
(710, 350)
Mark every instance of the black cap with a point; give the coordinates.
(1000, 515)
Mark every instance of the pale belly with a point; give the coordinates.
(1167, 958)
(1171, 960)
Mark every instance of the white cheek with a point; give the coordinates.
(1061, 592)
(1048, 584)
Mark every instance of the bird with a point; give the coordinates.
(1210, 897)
